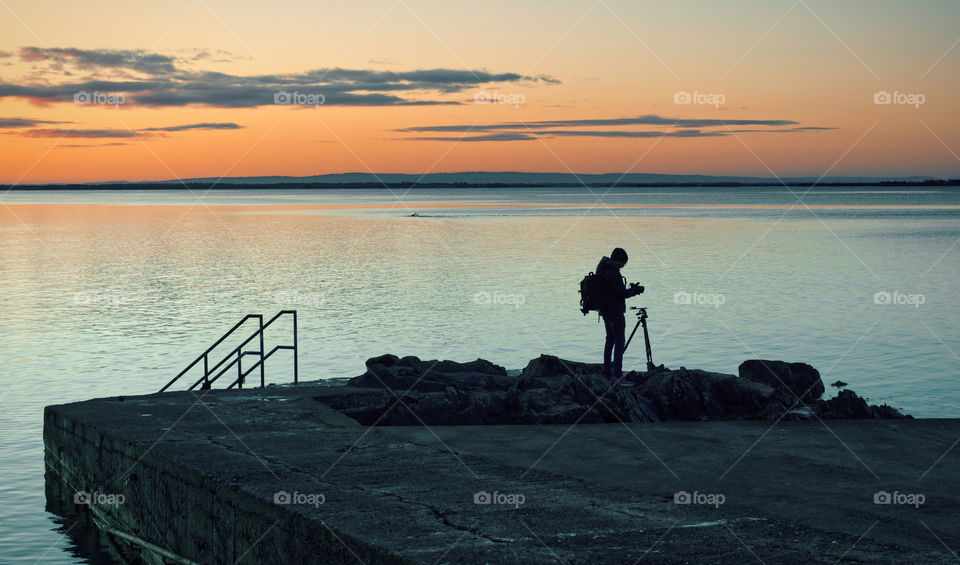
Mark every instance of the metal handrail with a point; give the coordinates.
(203, 355)
(260, 364)
(235, 356)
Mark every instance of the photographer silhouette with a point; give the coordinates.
(613, 313)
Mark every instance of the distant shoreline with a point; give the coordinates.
(167, 185)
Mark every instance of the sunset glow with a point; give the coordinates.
(100, 91)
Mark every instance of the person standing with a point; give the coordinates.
(613, 313)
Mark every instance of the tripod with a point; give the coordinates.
(641, 320)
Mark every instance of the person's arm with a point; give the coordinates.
(619, 288)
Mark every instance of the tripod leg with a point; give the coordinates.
(631, 336)
(646, 339)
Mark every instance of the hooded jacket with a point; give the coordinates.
(609, 270)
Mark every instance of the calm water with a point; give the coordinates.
(114, 292)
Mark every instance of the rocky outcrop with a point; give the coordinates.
(398, 391)
(799, 380)
(847, 405)
(687, 394)
(431, 376)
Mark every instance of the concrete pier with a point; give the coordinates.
(275, 476)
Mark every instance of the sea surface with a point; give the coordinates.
(114, 292)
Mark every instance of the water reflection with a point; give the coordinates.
(117, 297)
(80, 538)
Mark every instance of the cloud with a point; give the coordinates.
(79, 145)
(85, 133)
(784, 130)
(132, 59)
(66, 92)
(382, 62)
(239, 96)
(513, 136)
(673, 127)
(195, 126)
(5, 54)
(109, 133)
(212, 55)
(485, 137)
(26, 122)
(157, 80)
(621, 133)
(607, 122)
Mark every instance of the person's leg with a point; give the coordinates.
(608, 345)
(617, 328)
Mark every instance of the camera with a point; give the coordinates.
(637, 286)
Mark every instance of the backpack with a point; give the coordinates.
(594, 294)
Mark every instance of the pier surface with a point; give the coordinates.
(275, 475)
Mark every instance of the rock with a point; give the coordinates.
(549, 366)
(846, 405)
(453, 395)
(885, 411)
(551, 390)
(410, 373)
(799, 380)
(696, 395)
(629, 406)
(849, 405)
(643, 412)
(548, 371)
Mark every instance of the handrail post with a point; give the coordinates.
(259, 333)
(262, 379)
(294, 347)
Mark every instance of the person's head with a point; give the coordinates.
(619, 255)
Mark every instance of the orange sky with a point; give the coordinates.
(811, 63)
